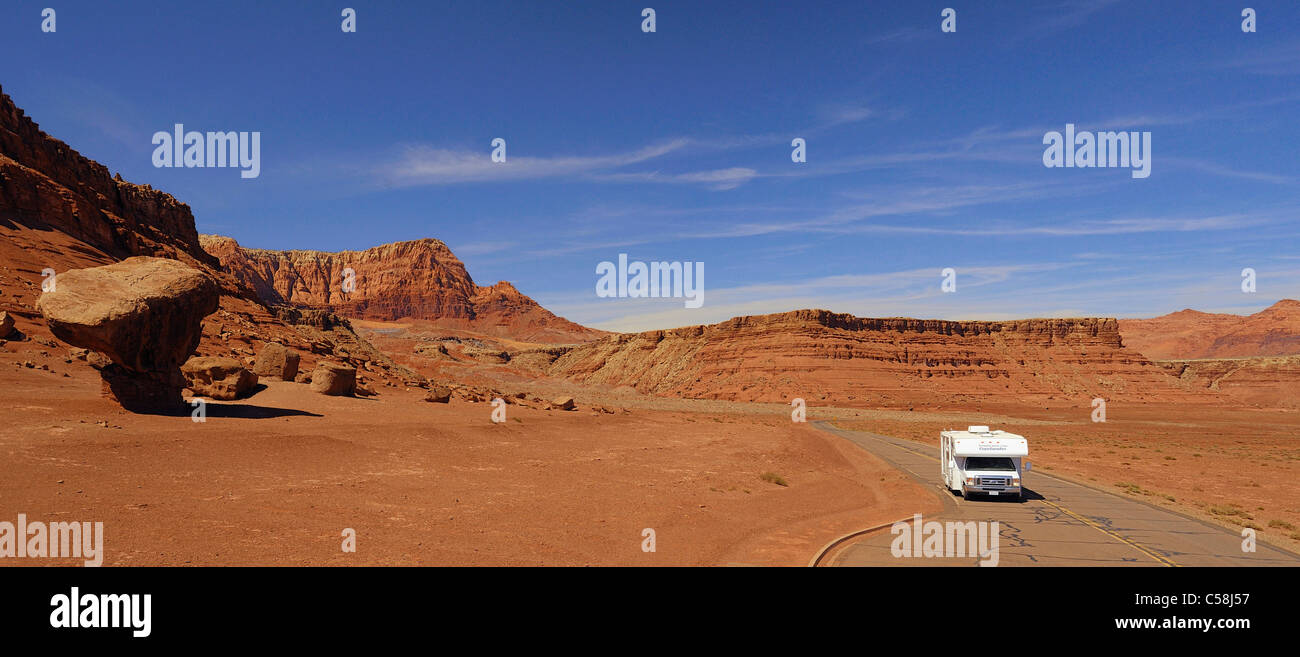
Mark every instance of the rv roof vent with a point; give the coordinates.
(978, 429)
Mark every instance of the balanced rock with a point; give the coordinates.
(333, 379)
(144, 314)
(218, 378)
(277, 361)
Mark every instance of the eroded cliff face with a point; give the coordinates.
(1266, 381)
(44, 183)
(1190, 334)
(420, 279)
(61, 211)
(824, 356)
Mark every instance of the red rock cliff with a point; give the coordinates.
(1274, 331)
(819, 355)
(419, 279)
(44, 182)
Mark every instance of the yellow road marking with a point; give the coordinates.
(1162, 559)
(1159, 558)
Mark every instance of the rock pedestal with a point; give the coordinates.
(144, 314)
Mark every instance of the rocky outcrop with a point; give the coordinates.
(62, 211)
(6, 324)
(46, 183)
(1266, 381)
(824, 356)
(145, 314)
(334, 379)
(420, 279)
(218, 378)
(1191, 334)
(277, 361)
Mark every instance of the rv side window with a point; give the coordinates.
(989, 463)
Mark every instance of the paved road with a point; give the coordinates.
(1059, 523)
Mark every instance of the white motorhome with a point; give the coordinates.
(979, 461)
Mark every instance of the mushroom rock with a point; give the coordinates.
(145, 314)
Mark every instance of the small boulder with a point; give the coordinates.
(302, 377)
(6, 324)
(438, 395)
(218, 378)
(563, 403)
(277, 361)
(334, 379)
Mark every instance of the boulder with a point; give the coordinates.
(144, 314)
(563, 403)
(6, 324)
(438, 395)
(333, 379)
(277, 361)
(302, 377)
(218, 378)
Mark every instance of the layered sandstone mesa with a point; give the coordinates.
(277, 360)
(420, 279)
(334, 379)
(145, 314)
(825, 357)
(1274, 331)
(217, 377)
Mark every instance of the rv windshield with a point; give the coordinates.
(989, 463)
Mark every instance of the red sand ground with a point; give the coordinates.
(274, 479)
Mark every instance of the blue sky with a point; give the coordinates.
(924, 149)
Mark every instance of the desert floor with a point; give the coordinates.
(277, 477)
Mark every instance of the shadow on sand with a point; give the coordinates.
(255, 412)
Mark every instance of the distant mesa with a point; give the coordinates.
(419, 279)
(1191, 334)
(838, 358)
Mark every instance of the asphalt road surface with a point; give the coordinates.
(1059, 523)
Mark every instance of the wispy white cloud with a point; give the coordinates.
(717, 179)
(1216, 169)
(425, 165)
(1278, 60)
